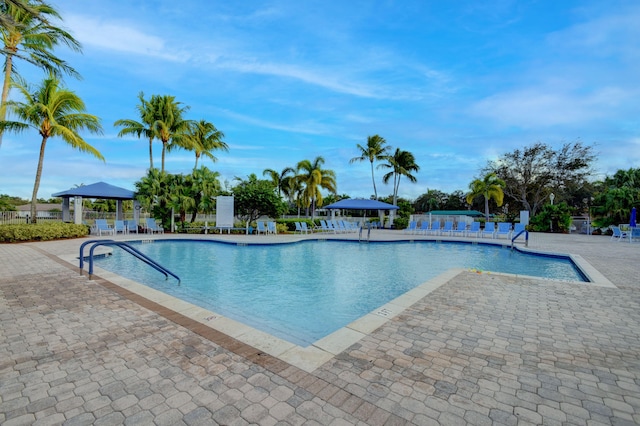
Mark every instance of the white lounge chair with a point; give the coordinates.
(132, 226)
(489, 228)
(119, 226)
(460, 229)
(448, 227)
(102, 227)
(305, 228)
(618, 234)
(474, 229)
(271, 228)
(424, 227)
(411, 229)
(435, 228)
(261, 228)
(504, 228)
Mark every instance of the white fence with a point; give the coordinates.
(18, 217)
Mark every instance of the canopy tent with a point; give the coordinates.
(96, 190)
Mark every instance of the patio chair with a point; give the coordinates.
(325, 226)
(474, 229)
(618, 234)
(504, 228)
(298, 227)
(424, 227)
(261, 228)
(435, 228)
(411, 229)
(305, 228)
(103, 227)
(518, 228)
(119, 226)
(132, 226)
(490, 229)
(271, 228)
(460, 229)
(448, 227)
(153, 227)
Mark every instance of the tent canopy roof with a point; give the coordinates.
(361, 204)
(97, 190)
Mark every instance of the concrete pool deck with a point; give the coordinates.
(477, 349)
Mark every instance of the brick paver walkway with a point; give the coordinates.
(481, 349)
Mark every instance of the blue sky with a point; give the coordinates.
(456, 83)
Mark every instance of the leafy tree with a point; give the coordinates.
(144, 127)
(402, 163)
(534, 172)
(281, 181)
(203, 139)
(456, 201)
(617, 196)
(489, 187)
(153, 193)
(431, 200)
(254, 197)
(181, 195)
(205, 187)
(28, 35)
(552, 218)
(375, 150)
(54, 112)
(312, 178)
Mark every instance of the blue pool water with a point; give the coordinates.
(304, 291)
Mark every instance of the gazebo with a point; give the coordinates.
(96, 190)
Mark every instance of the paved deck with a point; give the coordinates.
(479, 349)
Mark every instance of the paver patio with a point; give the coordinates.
(481, 349)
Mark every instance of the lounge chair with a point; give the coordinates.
(489, 229)
(103, 227)
(460, 229)
(474, 229)
(262, 228)
(618, 234)
(132, 226)
(305, 228)
(504, 228)
(152, 226)
(298, 227)
(119, 226)
(518, 228)
(448, 227)
(271, 228)
(411, 229)
(435, 228)
(325, 226)
(424, 227)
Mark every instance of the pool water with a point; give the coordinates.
(304, 291)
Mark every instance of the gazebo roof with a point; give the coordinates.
(97, 190)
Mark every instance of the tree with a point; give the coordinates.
(489, 187)
(376, 150)
(534, 172)
(153, 193)
(401, 163)
(312, 180)
(54, 112)
(281, 181)
(168, 124)
(144, 127)
(28, 35)
(254, 198)
(203, 139)
(617, 196)
(205, 186)
(433, 199)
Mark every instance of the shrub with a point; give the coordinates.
(401, 222)
(558, 216)
(41, 232)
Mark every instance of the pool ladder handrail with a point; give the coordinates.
(526, 238)
(126, 247)
(368, 233)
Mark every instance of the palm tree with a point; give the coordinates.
(204, 139)
(401, 163)
(489, 187)
(312, 179)
(168, 124)
(376, 150)
(30, 37)
(54, 112)
(281, 181)
(144, 127)
(206, 186)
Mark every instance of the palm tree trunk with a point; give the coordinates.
(8, 68)
(151, 152)
(196, 166)
(486, 208)
(375, 191)
(164, 148)
(36, 185)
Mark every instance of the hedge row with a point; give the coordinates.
(41, 232)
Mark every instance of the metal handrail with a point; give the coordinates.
(526, 237)
(126, 247)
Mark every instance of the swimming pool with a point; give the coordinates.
(304, 291)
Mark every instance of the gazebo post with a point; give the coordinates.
(66, 216)
(77, 210)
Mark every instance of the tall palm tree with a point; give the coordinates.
(54, 112)
(29, 36)
(312, 179)
(401, 163)
(168, 124)
(281, 181)
(376, 150)
(203, 139)
(489, 187)
(144, 127)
